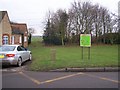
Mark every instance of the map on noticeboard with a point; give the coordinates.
(85, 40)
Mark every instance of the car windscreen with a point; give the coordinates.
(7, 48)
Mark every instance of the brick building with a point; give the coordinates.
(12, 33)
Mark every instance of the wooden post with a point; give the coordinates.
(82, 53)
(88, 53)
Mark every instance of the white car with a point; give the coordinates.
(14, 54)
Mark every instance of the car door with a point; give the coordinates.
(21, 53)
(26, 53)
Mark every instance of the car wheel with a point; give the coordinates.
(19, 62)
(30, 57)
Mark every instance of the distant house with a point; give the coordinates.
(19, 34)
(12, 33)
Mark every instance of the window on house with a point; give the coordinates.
(20, 39)
(13, 39)
(5, 39)
(25, 39)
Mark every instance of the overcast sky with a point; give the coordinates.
(33, 12)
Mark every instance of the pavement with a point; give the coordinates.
(25, 67)
(94, 69)
(86, 69)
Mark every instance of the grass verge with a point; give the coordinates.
(70, 56)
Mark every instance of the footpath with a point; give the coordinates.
(95, 69)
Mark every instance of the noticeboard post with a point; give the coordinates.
(85, 41)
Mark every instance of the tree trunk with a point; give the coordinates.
(62, 40)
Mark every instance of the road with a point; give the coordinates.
(30, 79)
(19, 77)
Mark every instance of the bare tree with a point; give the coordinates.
(82, 18)
(31, 30)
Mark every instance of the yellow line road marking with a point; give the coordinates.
(60, 78)
(64, 77)
(32, 79)
(48, 81)
(103, 78)
(110, 80)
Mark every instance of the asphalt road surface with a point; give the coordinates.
(29, 79)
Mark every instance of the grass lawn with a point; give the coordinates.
(70, 56)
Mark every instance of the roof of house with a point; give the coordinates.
(2, 14)
(21, 27)
(16, 30)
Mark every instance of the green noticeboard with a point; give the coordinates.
(85, 40)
